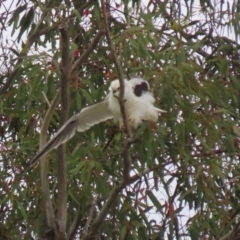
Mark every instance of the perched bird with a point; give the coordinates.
(138, 103)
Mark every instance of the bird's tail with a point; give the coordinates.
(160, 110)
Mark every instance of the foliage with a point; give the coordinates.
(184, 181)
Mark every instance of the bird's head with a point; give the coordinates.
(115, 87)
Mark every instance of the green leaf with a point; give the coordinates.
(14, 51)
(25, 22)
(137, 224)
(154, 200)
(78, 101)
(22, 210)
(77, 14)
(176, 70)
(123, 233)
(72, 197)
(194, 233)
(16, 14)
(87, 95)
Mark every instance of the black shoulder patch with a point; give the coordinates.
(140, 88)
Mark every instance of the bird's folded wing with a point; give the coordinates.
(93, 114)
(80, 122)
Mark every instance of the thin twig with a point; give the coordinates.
(86, 5)
(46, 99)
(61, 163)
(90, 49)
(44, 163)
(75, 225)
(127, 157)
(102, 214)
(119, 70)
(225, 237)
(44, 129)
(93, 231)
(30, 40)
(127, 160)
(231, 218)
(126, 154)
(90, 215)
(33, 37)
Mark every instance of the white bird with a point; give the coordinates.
(138, 103)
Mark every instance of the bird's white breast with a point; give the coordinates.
(137, 108)
(133, 109)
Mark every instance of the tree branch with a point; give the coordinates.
(228, 235)
(90, 49)
(127, 157)
(73, 229)
(30, 40)
(61, 164)
(44, 163)
(118, 68)
(86, 5)
(90, 215)
(127, 160)
(93, 231)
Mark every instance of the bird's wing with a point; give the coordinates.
(80, 122)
